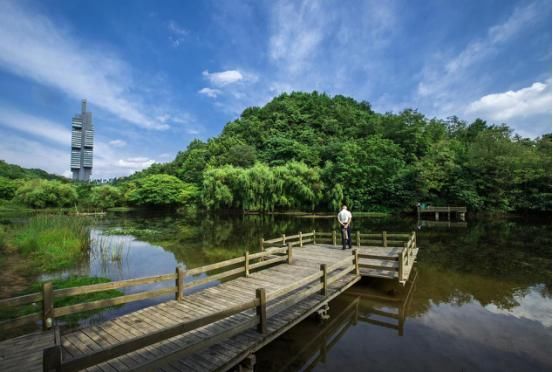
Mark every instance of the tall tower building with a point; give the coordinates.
(82, 142)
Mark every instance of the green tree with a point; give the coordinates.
(43, 193)
(160, 190)
(106, 196)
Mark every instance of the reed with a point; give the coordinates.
(53, 242)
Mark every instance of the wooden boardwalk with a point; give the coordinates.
(214, 328)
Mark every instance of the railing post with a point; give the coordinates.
(334, 238)
(47, 305)
(301, 240)
(51, 359)
(283, 240)
(400, 268)
(179, 284)
(358, 239)
(289, 253)
(314, 241)
(355, 253)
(262, 247)
(384, 239)
(406, 250)
(246, 264)
(324, 280)
(261, 310)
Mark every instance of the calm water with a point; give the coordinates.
(481, 299)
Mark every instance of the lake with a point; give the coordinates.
(480, 298)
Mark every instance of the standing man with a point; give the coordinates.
(344, 218)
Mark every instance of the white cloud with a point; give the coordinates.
(35, 126)
(118, 143)
(210, 92)
(444, 76)
(32, 46)
(178, 33)
(134, 164)
(522, 103)
(224, 77)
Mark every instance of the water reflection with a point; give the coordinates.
(311, 343)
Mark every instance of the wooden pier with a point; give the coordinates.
(214, 328)
(459, 211)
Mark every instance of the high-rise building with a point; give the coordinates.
(82, 143)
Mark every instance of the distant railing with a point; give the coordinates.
(383, 239)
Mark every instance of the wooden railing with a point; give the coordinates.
(406, 256)
(48, 312)
(315, 283)
(383, 239)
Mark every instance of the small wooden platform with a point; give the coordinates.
(223, 343)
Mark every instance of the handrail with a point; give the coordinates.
(53, 356)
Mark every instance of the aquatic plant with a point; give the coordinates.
(53, 241)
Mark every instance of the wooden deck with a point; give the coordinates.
(217, 327)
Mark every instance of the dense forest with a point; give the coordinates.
(312, 152)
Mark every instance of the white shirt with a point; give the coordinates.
(344, 216)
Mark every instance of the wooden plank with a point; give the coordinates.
(212, 278)
(268, 262)
(65, 292)
(218, 265)
(21, 300)
(25, 319)
(294, 286)
(65, 310)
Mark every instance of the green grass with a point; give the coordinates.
(74, 281)
(52, 242)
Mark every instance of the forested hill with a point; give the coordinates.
(12, 171)
(312, 151)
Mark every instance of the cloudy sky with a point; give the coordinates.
(159, 74)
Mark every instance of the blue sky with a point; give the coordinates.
(158, 74)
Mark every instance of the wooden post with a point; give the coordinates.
(314, 241)
(283, 240)
(261, 245)
(246, 264)
(462, 216)
(301, 240)
(384, 239)
(179, 284)
(324, 280)
(47, 305)
(51, 359)
(358, 239)
(400, 269)
(437, 215)
(418, 212)
(261, 310)
(289, 253)
(355, 253)
(334, 238)
(449, 213)
(406, 250)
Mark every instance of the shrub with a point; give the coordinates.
(106, 196)
(43, 194)
(160, 190)
(8, 188)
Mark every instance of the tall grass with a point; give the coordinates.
(53, 242)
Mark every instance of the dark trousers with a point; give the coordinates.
(346, 239)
